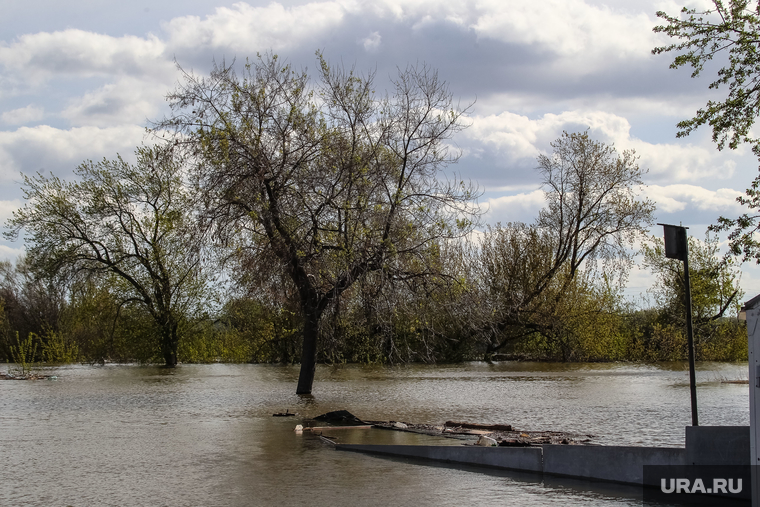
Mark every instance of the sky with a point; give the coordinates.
(80, 80)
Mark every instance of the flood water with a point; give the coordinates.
(204, 434)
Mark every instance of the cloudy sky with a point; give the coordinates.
(81, 80)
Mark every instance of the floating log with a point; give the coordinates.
(474, 426)
(323, 428)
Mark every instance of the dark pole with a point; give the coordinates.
(677, 247)
(690, 341)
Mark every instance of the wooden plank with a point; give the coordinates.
(323, 428)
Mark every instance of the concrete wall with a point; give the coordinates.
(608, 463)
(527, 459)
(705, 445)
(717, 445)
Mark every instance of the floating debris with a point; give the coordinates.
(513, 438)
(321, 428)
(485, 441)
(475, 426)
(343, 417)
(504, 435)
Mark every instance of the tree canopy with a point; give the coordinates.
(715, 290)
(133, 222)
(592, 207)
(530, 273)
(731, 31)
(327, 178)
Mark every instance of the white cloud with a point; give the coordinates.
(518, 136)
(675, 198)
(8, 253)
(23, 115)
(580, 35)
(639, 282)
(9, 250)
(7, 208)
(126, 101)
(256, 28)
(372, 43)
(512, 134)
(37, 57)
(515, 208)
(514, 137)
(565, 27)
(60, 151)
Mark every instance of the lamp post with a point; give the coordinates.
(677, 247)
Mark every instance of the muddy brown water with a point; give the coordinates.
(127, 435)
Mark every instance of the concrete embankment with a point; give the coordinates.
(705, 445)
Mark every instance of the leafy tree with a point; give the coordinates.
(714, 281)
(592, 216)
(592, 210)
(730, 30)
(329, 179)
(131, 221)
(32, 304)
(715, 294)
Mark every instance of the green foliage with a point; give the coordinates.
(331, 182)
(592, 326)
(58, 348)
(270, 334)
(554, 279)
(653, 338)
(714, 281)
(24, 354)
(743, 243)
(5, 333)
(347, 247)
(208, 344)
(730, 29)
(593, 209)
(92, 320)
(130, 225)
(660, 333)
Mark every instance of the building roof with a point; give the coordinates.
(751, 303)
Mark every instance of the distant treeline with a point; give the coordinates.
(456, 317)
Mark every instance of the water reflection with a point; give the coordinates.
(204, 434)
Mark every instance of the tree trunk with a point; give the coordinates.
(169, 341)
(309, 354)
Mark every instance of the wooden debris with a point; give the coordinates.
(513, 438)
(475, 426)
(322, 428)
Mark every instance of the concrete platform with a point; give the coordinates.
(527, 459)
(705, 445)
